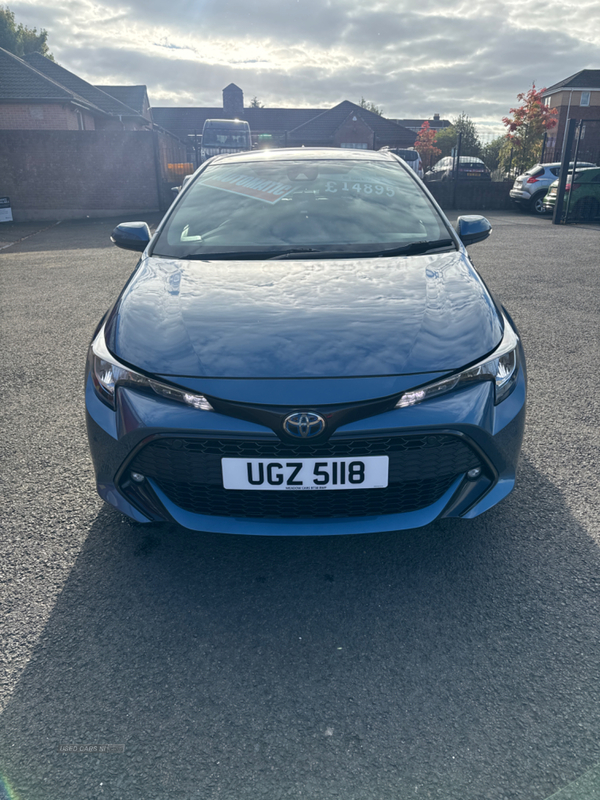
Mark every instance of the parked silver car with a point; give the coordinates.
(529, 189)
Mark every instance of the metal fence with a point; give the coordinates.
(577, 197)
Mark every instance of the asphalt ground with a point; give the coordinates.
(458, 662)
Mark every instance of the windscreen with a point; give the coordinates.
(225, 138)
(343, 205)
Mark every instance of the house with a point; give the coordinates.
(69, 149)
(435, 123)
(135, 97)
(38, 94)
(576, 97)
(344, 125)
(350, 126)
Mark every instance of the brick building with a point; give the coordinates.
(435, 123)
(69, 149)
(38, 94)
(576, 97)
(344, 125)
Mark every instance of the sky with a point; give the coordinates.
(412, 59)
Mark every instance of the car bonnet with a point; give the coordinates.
(304, 319)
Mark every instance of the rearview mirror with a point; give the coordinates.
(131, 236)
(472, 228)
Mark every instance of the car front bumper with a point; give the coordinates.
(172, 442)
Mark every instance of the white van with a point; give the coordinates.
(410, 156)
(224, 136)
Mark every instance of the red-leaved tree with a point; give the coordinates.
(526, 127)
(425, 145)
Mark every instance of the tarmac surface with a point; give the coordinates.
(455, 662)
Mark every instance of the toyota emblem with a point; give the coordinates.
(304, 425)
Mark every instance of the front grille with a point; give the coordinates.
(188, 471)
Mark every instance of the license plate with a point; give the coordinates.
(305, 474)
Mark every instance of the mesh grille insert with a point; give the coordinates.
(188, 471)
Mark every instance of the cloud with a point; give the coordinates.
(411, 59)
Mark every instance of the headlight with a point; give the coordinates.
(107, 374)
(501, 367)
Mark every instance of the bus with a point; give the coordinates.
(224, 136)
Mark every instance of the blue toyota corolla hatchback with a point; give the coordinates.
(303, 349)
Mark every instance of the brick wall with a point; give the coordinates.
(52, 175)
(42, 116)
(577, 112)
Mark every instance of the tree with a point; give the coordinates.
(370, 107)
(470, 144)
(255, 103)
(492, 151)
(19, 39)
(425, 145)
(526, 128)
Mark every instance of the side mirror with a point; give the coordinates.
(131, 236)
(472, 228)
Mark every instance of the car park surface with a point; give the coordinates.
(459, 661)
(319, 360)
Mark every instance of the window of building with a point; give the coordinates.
(547, 102)
(585, 99)
(355, 145)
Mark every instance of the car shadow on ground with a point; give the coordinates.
(457, 661)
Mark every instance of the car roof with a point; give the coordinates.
(551, 164)
(306, 154)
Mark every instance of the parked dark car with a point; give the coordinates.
(584, 189)
(468, 168)
(304, 348)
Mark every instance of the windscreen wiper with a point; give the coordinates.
(313, 252)
(233, 255)
(402, 250)
(417, 247)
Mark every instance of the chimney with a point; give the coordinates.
(436, 117)
(233, 101)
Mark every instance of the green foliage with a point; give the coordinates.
(370, 107)
(509, 162)
(19, 39)
(255, 103)
(492, 151)
(446, 140)
(470, 144)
